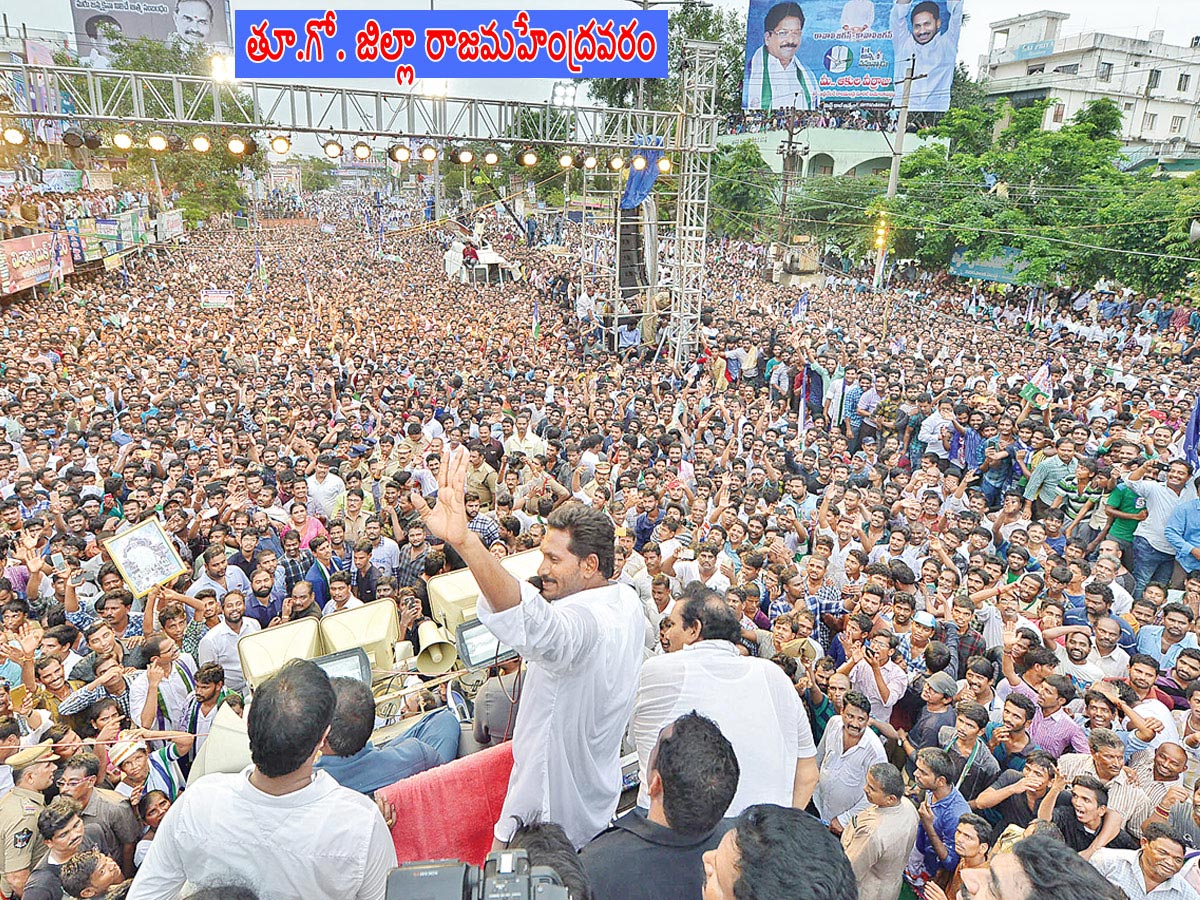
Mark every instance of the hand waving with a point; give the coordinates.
(448, 519)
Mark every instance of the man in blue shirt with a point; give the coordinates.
(1166, 641)
(354, 762)
(943, 805)
(1182, 532)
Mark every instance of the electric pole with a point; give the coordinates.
(788, 152)
(881, 239)
(901, 128)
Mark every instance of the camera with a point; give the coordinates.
(505, 875)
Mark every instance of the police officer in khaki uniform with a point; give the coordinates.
(21, 845)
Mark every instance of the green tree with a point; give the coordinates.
(741, 199)
(1103, 116)
(691, 20)
(206, 183)
(316, 173)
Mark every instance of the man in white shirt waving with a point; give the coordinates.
(583, 655)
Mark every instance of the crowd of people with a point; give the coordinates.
(751, 121)
(887, 594)
(29, 209)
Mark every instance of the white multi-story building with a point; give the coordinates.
(1155, 85)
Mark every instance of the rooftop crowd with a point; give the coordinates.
(842, 560)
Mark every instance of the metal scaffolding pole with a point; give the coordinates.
(698, 134)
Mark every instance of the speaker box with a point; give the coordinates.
(631, 254)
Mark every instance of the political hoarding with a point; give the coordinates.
(190, 21)
(35, 259)
(62, 181)
(805, 54)
(1006, 267)
(214, 299)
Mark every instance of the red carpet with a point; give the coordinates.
(448, 812)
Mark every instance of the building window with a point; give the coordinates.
(1104, 72)
(1154, 79)
(1176, 124)
(1128, 107)
(1185, 82)
(1036, 70)
(1070, 69)
(1149, 121)
(1059, 111)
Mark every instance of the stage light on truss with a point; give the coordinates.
(123, 139)
(464, 155)
(361, 150)
(175, 143)
(588, 161)
(281, 145)
(236, 144)
(428, 152)
(664, 165)
(491, 157)
(566, 161)
(73, 138)
(616, 162)
(638, 163)
(399, 153)
(251, 146)
(527, 157)
(14, 135)
(91, 140)
(332, 149)
(201, 143)
(156, 141)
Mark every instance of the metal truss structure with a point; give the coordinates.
(698, 132)
(144, 100)
(168, 101)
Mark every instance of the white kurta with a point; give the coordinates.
(584, 654)
(752, 701)
(323, 842)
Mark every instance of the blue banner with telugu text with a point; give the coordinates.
(410, 44)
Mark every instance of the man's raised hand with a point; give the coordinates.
(448, 519)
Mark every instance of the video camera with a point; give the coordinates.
(505, 875)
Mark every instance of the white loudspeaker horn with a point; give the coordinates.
(438, 653)
(1194, 231)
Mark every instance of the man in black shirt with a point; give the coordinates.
(1079, 813)
(1014, 797)
(61, 827)
(693, 775)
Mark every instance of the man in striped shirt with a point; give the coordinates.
(1045, 483)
